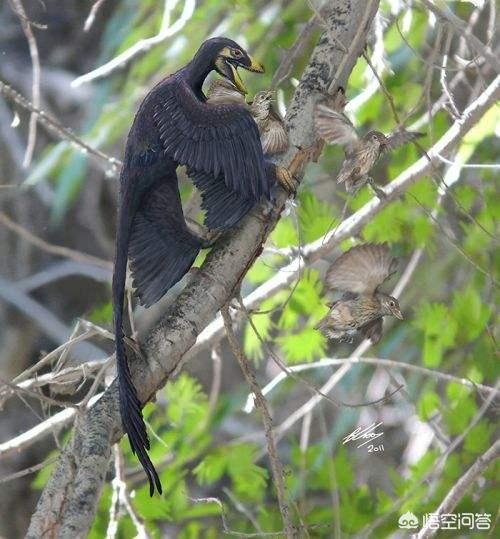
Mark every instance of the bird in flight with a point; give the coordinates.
(358, 274)
(361, 152)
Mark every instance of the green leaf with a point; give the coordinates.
(343, 469)
(315, 217)
(252, 345)
(306, 345)
(285, 233)
(211, 468)
(470, 312)
(102, 314)
(439, 330)
(187, 403)
(460, 414)
(478, 439)
(428, 405)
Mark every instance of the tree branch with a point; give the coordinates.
(261, 405)
(110, 164)
(457, 492)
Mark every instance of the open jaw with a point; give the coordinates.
(254, 66)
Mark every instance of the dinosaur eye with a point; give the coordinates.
(237, 53)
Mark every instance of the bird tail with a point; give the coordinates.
(130, 406)
(151, 233)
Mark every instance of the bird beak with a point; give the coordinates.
(397, 313)
(255, 66)
(237, 80)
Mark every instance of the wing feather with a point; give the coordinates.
(275, 138)
(219, 140)
(399, 137)
(362, 269)
(335, 127)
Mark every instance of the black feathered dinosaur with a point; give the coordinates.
(220, 146)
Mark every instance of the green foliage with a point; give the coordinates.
(439, 329)
(237, 461)
(448, 302)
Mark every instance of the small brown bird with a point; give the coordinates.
(273, 134)
(361, 153)
(358, 274)
(222, 91)
(272, 129)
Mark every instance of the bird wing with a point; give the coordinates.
(361, 269)
(275, 137)
(398, 137)
(221, 141)
(373, 330)
(335, 127)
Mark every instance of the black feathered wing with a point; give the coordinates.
(221, 147)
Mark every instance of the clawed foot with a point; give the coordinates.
(312, 153)
(287, 180)
(376, 189)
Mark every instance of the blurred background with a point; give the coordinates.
(84, 64)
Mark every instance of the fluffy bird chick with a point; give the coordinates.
(272, 129)
(222, 91)
(358, 274)
(361, 153)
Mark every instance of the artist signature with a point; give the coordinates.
(367, 434)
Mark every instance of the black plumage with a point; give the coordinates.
(220, 146)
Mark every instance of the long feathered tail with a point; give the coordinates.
(161, 251)
(130, 406)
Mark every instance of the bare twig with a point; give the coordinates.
(225, 526)
(167, 30)
(45, 319)
(89, 21)
(261, 405)
(285, 68)
(111, 165)
(35, 85)
(57, 250)
(60, 270)
(124, 497)
(459, 489)
(216, 380)
(40, 431)
(389, 363)
(27, 471)
(460, 28)
(436, 469)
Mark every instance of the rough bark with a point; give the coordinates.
(68, 503)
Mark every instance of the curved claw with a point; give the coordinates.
(286, 179)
